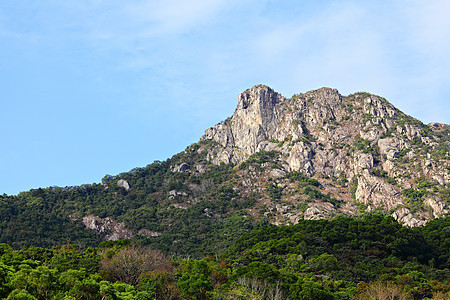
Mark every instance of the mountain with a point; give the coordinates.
(276, 160)
(359, 147)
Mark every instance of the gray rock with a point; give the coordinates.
(124, 184)
(149, 233)
(313, 213)
(183, 167)
(438, 207)
(200, 168)
(107, 228)
(276, 173)
(319, 134)
(391, 147)
(403, 215)
(374, 190)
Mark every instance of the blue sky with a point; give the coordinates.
(94, 87)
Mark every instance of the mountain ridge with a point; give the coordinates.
(276, 161)
(322, 133)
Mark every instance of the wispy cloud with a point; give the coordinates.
(401, 53)
(397, 49)
(166, 70)
(174, 16)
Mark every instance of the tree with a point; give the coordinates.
(129, 263)
(314, 291)
(196, 281)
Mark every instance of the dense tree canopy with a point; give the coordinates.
(369, 258)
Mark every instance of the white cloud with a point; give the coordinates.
(174, 16)
(339, 45)
(400, 53)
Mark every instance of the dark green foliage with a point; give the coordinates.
(274, 191)
(347, 251)
(414, 198)
(259, 158)
(366, 147)
(52, 216)
(363, 145)
(315, 194)
(403, 152)
(383, 174)
(302, 179)
(335, 237)
(340, 259)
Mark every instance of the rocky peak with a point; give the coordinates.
(360, 138)
(263, 118)
(255, 119)
(259, 95)
(325, 96)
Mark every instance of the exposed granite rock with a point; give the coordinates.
(391, 147)
(363, 161)
(183, 167)
(376, 192)
(201, 168)
(149, 233)
(107, 228)
(276, 173)
(326, 135)
(123, 184)
(438, 207)
(111, 230)
(282, 208)
(403, 215)
(313, 213)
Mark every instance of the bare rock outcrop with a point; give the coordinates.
(374, 191)
(360, 138)
(313, 213)
(107, 228)
(183, 167)
(439, 207)
(404, 216)
(123, 184)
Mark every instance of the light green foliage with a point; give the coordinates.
(314, 194)
(195, 281)
(340, 259)
(20, 295)
(261, 157)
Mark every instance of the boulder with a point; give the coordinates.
(123, 184)
(183, 167)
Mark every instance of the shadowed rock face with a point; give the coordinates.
(324, 134)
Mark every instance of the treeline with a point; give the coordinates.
(208, 208)
(346, 258)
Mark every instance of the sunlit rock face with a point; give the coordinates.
(361, 138)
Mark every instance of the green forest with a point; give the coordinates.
(51, 216)
(212, 238)
(373, 257)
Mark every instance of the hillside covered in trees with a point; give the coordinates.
(319, 196)
(277, 161)
(371, 258)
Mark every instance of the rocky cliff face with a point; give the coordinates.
(384, 158)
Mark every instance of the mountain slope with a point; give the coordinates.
(276, 160)
(391, 160)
